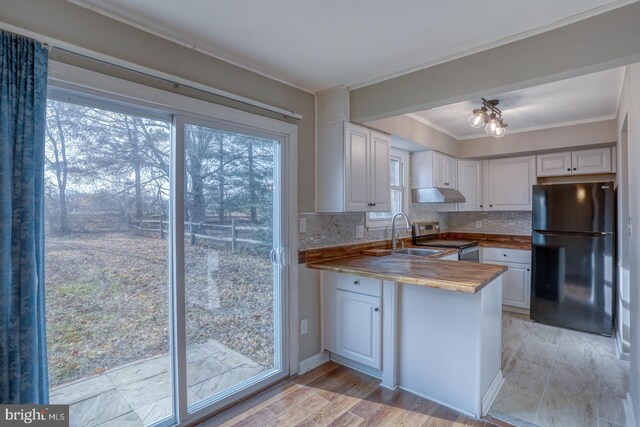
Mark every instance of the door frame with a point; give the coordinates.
(88, 83)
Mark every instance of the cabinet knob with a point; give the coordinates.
(373, 204)
(575, 169)
(528, 269)
(504, 254)
(376, 309)
(569, 169)
(490, 206)
(446, 183)
(480, 205)
(356, 282)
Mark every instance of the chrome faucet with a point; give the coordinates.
(394, 238)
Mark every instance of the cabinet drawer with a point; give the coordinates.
(506, 255)
(361, 285)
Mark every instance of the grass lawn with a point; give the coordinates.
(107, 301)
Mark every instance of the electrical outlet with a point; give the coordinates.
(478, 224)
(303, 225)
(359, 231)
(303, 327)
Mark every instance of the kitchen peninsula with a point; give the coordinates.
(429, 325)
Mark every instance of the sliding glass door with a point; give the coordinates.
(232, 243)
(165, 261)
(106, 262)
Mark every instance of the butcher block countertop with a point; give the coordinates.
(454, 276)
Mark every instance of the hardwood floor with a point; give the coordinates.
(334, 395)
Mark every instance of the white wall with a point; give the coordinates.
(630, 109)
(565, 137)
(82, 30)
(598, 43)
(426, 137)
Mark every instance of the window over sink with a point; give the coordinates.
(399, 171)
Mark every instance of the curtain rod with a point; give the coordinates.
(188, 84)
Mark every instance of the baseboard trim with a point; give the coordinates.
(313, 362)
(629, 413)
(518, 310)
(438, 401)
(491, 393)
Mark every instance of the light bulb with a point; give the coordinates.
(499, 132)
(478, 118)
(491, 126)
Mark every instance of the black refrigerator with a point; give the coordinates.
(573, 256)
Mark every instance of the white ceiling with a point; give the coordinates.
(587, 98)
(317, 45)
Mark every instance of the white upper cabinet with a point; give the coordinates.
(470, 176)
(356, 169)
(380, 172)
(352, 169)
(433, 169)
(510, 181)
(575, 163)
(591, 161)
(445, 171)
(554, 164)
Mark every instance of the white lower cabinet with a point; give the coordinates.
(358, 332)
(516, 281)
(352, 317)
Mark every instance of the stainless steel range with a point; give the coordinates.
(428, 234)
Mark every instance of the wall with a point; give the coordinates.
(566, 137)
(492, 222)
(333, 229)
(630, 109)
(604, 41)
(425, 137)
(81, 30)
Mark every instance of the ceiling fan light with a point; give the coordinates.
(479, 117)
(491, 126)
(499, 132)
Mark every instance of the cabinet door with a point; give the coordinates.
(516, 285)
(591, 161)
(451, 173)
(358, 335)
(356, 168)
(380, 181)
(440, 170)
(556, 164)
(510, 183)
(470, 184)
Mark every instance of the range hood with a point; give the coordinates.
(436, 195)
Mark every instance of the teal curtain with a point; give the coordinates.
(23, 98)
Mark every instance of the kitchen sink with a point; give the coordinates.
(416, 251)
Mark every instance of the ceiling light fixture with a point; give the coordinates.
(492, 122)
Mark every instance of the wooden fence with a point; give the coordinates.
(195, 231)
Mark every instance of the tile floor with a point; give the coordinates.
(138, 393)
(559, 377)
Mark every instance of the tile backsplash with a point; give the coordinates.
(511, 222)
(332, 229)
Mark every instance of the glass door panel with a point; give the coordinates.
(106, 264)
(232, 280)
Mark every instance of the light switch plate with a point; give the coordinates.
(304, 327)
(478, 224)
(303, 225)
(359, 231)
